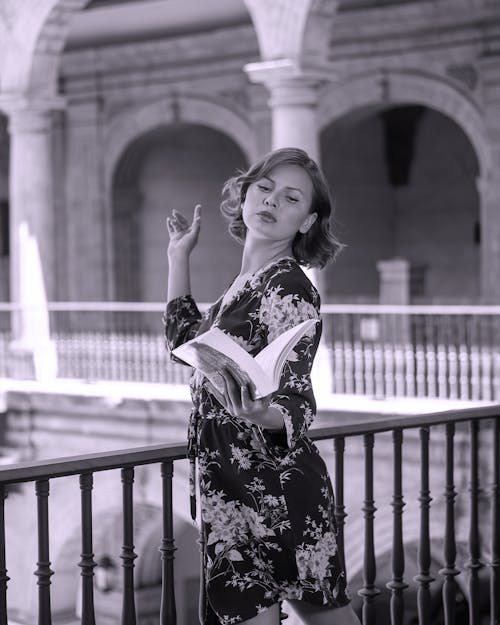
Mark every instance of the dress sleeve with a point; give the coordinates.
(287, 300)
(181, 320)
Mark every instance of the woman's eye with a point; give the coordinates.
(291, 198)
(263, 187)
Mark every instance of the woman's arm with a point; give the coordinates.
(179, 279)
(182, 317)
(183, 238)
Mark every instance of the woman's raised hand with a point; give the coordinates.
(183, 235)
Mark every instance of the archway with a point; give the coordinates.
(404, 181)
(174, 166)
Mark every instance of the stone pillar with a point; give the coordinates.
(32, 261)
(489, 193)
(89, 245)
(394, 281)
(293, 102)
(395, 277)
(488, 184)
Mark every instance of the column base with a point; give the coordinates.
(32, 362)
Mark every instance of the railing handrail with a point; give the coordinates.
(395, 422)
(95, 306)
(415, 309)
(115, 459)
(30, 471)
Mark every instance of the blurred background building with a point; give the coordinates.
(114, 112)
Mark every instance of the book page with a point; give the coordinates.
(273, 356)
(213, 350)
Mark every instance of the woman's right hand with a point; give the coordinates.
(183, 236)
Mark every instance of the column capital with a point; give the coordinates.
(397, 266)
(29, 113)
(289, 82)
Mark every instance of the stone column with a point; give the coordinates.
(488, 184)
(394, 281)
(489, 193)
(87, 252)
(395, 277)
(32, 261)
(293, 103)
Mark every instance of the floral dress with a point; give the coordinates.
(268, 530)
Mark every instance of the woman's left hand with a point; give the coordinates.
(238, 400)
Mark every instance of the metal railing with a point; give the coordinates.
(446, 352)
(486, 419)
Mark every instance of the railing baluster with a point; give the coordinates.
(87, 562)
(474, 563)
(369, 591)
(3, 568)
(168, 614)
(43, 571)
(424, 578)
(397, 585)
(340, 513)
(450, 551)
(495, 529)
(128, 556)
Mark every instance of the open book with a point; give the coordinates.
(213, 350)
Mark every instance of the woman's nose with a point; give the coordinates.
(271, 200)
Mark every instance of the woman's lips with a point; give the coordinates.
(266, 216)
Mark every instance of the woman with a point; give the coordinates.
(268, 530)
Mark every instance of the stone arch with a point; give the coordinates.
(193, 109)
(135, 223)
(279, 26)
(386, 88)
(317, 32)
(32, 65)
(293, 29)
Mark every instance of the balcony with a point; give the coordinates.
(445, 352)
(417, 506)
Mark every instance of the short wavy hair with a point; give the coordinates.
(318, 246)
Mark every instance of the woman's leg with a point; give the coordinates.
(271, 616)
(324, 615)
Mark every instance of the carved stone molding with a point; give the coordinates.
(466, 73)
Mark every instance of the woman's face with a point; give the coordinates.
(277, 205)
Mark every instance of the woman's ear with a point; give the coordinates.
(308, 222)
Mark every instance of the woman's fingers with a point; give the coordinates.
(247, 404)
(177, 224)
(179, 217)
(229, 394)
(196, 214)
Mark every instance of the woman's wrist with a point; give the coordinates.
(274, 419)
(178, 257)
